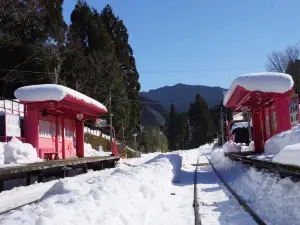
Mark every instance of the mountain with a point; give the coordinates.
(153, 113)
(182, 94)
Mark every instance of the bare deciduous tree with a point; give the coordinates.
(278, 61)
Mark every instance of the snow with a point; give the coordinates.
(128, 196)
(238, 116)
(15, 152)
(89, 151)
(52, 92)
(231, 146)
(157, 191)
(264, 82)
(290, 154)
(283, 147)
(275, 200)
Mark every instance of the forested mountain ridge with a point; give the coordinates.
(182, 94)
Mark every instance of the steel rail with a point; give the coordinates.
(257, 219)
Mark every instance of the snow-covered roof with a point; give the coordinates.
(52, 92)
(239, 125)
(264, 82)
(238, 116)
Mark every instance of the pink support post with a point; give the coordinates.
(270, 122)
(32, 128)
(264, 124)
(80, 139)
(63, 137)
(56, 135)
(257, 132)
(282, 114)
(297, 102)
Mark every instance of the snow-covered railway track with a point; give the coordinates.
(18, 207)
(247, 208)
(195, 203)
(282, 169)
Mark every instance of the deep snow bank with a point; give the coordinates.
(128, 196)
(16, 151)
(276, 200)
(284, 147)
(89, 151)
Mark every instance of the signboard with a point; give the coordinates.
(100, 122)
(12, 125)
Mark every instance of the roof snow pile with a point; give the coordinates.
(16, 151)
(129, 196)
(264, 82)
(239, 125)
(285, 146)
(52, 92)
(89, 151)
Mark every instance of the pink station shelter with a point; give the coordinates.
(270, 98)
(54, 118)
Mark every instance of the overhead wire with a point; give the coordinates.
(138, 101)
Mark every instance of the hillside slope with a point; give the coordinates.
(153, 113)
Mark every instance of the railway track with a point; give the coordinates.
(283, 170)
(247, 208)
(195, 202)
(15, 208)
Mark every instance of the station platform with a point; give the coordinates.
(36, 172)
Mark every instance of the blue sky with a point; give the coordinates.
(175, 41)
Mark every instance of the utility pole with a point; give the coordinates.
(222, 126)
(135, 145)
(56, 75)
(110, 120)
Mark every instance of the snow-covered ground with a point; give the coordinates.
(89, 151)
(158, 190)
(275, 200)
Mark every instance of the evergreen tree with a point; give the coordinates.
(31, 33)
(201, 122)
(293, 69)
(172, 128)
(119, 35)
(182, 130)
(94, 68)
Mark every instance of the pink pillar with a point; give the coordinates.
(31, 123)
(257, 132)
(264, 123)
(297, 102)
(270, 121)
(56, 134)
(63, 137)
(282, 114)
(80, 138)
